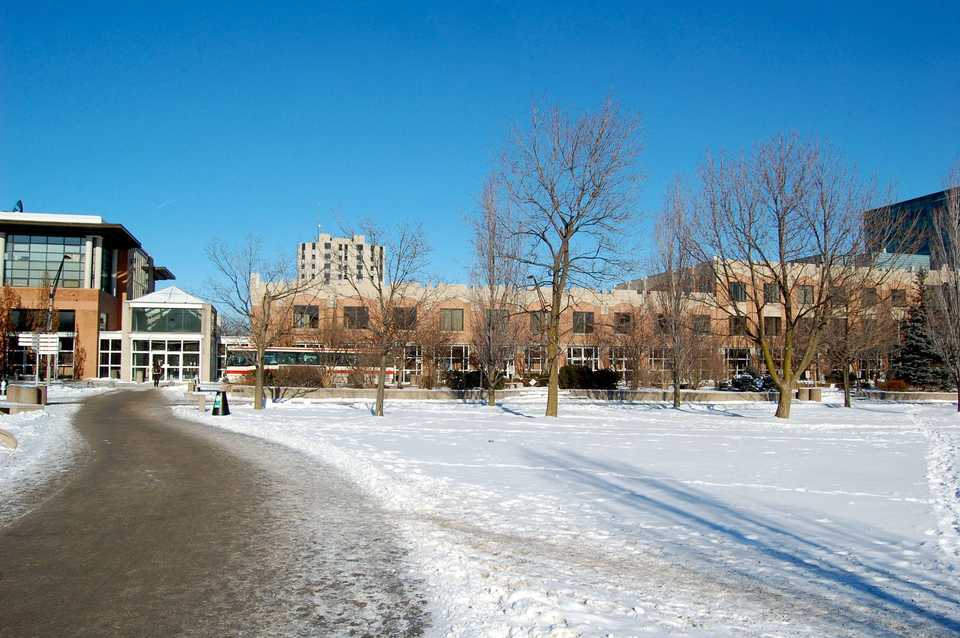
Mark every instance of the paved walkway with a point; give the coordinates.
(173, 529)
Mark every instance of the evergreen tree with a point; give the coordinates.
(916, 361)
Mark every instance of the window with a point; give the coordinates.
(451, 319)
(586, 356)
(306, 316)
(356, 317)
(109, 359)
(898, 297)
(771, 326)
(405, 318)
(701, 324)
(534, 358)
(737, 291)
(31, 260)
(805, 294)
(455, 358)
(582, 323)
(107, 271)
(622, 323)
(738, 326)
(166, 320)
(870, 297)
(660, 360)
(624, 360)
(538, 322)
(736, 359)
(771, 293)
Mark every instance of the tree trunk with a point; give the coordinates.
(553, 387)
(258, 387)
(381, 386)
(492, 394)
(783, 403)
(676, 388)
(847, 402)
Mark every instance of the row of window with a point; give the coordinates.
(737, 292)
(451, 320)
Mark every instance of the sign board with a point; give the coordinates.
(42, 343)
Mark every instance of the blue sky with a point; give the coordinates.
(188, 122)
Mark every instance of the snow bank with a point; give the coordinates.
(641, 520)
(943, 475)
(47, 444)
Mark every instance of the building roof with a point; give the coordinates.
(37, 223)
(171, 295)
(162, 273)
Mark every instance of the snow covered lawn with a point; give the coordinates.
(47, 444)
(630, 520)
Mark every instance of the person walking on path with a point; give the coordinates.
(157, 373)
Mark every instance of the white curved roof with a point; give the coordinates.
(171, 295)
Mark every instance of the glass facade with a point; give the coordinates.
(31, 260)
(166, 320)
(179, 359)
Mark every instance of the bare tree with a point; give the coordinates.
(434, 341)
(571, 185)
(673, 290)
(9, 301)
(943, 316)
(781, 230)
(258, 294)
(629, 341)
(497, 307)
(862, 326)
(394, 302)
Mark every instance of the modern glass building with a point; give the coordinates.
(169, 327)
(94, 266)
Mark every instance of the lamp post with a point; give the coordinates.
(53, 291)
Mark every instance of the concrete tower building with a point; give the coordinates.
(335, 259)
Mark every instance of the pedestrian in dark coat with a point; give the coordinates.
(157, 373)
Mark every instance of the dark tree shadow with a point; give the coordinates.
(811, 561)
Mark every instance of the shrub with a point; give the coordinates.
(605, 379)
(585, 378)
(298, 377)
(463, 379)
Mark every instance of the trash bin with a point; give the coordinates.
(139, 376)
(816, 394)
(803, 394)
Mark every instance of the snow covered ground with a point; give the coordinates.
(47, 444)
(625, 520)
